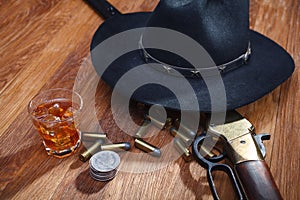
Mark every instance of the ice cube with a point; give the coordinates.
(56, 105)
(51, 133)
(40, 112)
(56, 110)
(51, 118)
(68, 114)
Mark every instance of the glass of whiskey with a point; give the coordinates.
(54, 114)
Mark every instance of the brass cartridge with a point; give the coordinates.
(93, 136)
(91, 151)
(116, 146)
(142, 130)
(186, 139)
(99, 146)
(185, 129)
(188, 132)
(182, 149)
(146, 147)
(159, 124)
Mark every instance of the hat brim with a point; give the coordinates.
(269, 66)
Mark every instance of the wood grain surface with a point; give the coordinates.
(45, 44)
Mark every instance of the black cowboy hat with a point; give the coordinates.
(250, 64)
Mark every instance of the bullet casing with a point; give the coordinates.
(184, 129)
(99, 146)
(188, 132)
(116, 147)
(182, 149)
(186, 139)
(91, 151)
(92, 136)
(142, 130)
(159, 124)
(146, 147)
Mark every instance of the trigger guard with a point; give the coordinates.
(214, 159)
(217, 158)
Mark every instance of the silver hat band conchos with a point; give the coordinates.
(195, 72)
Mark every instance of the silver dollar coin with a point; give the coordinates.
(105, 161)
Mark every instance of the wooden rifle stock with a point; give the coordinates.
(246, 152)
(257, 180)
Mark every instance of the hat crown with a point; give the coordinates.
(221, 27)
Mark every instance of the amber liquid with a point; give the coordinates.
(54, 121)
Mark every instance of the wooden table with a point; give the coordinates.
(44, 44)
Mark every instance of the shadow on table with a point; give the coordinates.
(85, 184)
(21, 169)
(199, 187)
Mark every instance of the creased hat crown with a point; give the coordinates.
(221, 27)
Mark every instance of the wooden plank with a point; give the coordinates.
(45, 44)
(49, 57)
(274, 113)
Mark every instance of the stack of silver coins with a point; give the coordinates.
(104, 165)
